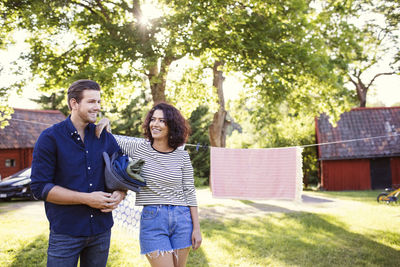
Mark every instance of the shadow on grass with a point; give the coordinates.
(265, 207)
(298, 239)
(273, 208)
(212, 211)
(312, 199)
(32, 254)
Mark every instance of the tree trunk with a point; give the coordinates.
(157, 76)
(158, 80)
(158, 91)
(361, 88)
(217, 128)
(361, 93)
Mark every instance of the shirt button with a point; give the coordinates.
(72, 133)
(87, 151)
(78, 138)
(88, 168)
(91, 215)
(90, 184)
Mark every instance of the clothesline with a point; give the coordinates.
(302, 146)
(329, 143)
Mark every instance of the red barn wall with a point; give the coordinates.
(346, 174)
(22, 157)
(395, 168)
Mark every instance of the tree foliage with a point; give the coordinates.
(272, 42)
(54, 101)
(112, 42)
(200, 153)
(128, 120)
(285, 128)
(362, 34)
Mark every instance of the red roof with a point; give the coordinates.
(25, 127)
(378, 129)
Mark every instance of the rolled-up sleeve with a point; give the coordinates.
(43, 166)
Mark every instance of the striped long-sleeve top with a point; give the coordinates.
(169, 176)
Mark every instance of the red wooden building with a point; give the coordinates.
(364, 149)
(19, 137)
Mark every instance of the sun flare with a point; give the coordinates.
(150, 11)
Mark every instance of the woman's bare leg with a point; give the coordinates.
(181, 256)
(157, 259)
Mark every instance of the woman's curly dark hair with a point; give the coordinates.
(178, 128)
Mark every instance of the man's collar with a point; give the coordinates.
(70, 126)
(73, 131)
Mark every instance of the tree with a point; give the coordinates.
(5, 114)
(200, 154)
(128, 120)
(5, 111)
(219, 124)
(362, 88)
(275, 45)
(293, 55)
(108, 41)
(266, 39)
(371, 27)
(285, 127)
(55, 101)
(278, 45)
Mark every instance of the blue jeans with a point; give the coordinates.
(65, 250)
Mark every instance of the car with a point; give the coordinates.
(17, 186)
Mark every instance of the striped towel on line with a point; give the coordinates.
(267, 173)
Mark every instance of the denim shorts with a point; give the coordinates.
(165, 228)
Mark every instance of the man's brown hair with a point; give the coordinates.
(76, 89)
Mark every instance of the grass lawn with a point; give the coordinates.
(364, 196)
(350, 230)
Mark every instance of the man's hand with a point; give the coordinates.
(64, 196)
(103, 123)
(117, 197)
(99, 200)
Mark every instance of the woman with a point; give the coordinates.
(169, 224)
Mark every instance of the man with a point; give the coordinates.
(68, 174)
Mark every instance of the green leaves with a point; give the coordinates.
(293, 53)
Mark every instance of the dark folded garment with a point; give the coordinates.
(135, 168)
(116, 177)
(121, 165)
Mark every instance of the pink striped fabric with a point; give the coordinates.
(274, 173)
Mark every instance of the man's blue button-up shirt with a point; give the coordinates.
(60, 157)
